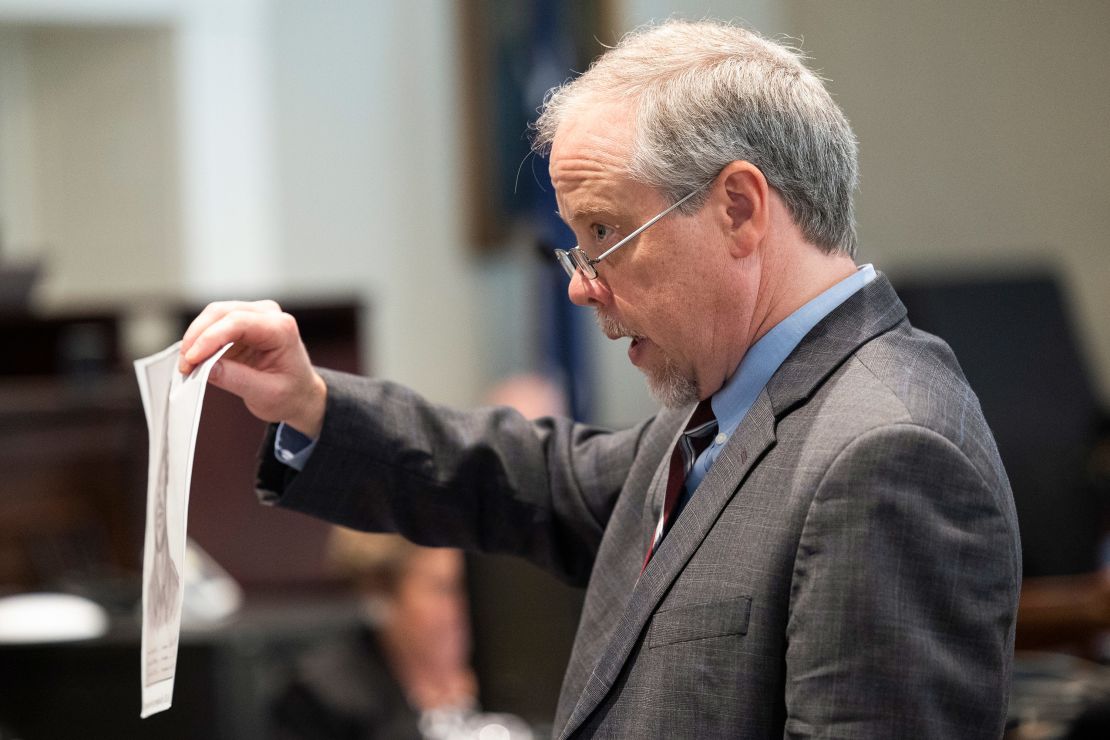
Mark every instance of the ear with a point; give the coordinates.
(744, 194)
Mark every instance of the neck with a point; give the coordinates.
(782, 279)
(790, 279)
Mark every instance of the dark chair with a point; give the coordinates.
(1014, 339)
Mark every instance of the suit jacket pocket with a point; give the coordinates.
(699, 621)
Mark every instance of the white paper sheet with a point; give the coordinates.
(172, 403)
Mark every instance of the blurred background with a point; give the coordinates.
(366, 164)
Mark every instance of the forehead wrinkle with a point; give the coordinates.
(585, 193)
(584, 166)
(586, 151)
(588, 183)
(587, 165)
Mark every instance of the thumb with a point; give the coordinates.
(230, 376)
(260, 392)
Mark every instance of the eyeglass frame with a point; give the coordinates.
(574, 259)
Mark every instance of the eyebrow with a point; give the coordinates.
(588, 211)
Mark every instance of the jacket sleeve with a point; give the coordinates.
(486, 480)
(904, 595)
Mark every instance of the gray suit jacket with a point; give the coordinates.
(848, 568)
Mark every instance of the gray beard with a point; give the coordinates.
(669, 387)
(667, 384)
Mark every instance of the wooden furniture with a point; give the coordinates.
(73, 456)
(73, 448)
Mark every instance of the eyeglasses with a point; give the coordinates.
(575, 259)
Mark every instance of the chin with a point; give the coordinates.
(670, 387)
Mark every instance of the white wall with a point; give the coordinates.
(90, 184)
(983, 139)
(284, 146)
(367, 155)
(765, 15)
(145, 147)
(207, 149)
(20, 229)
(226, 119)
(983, 131)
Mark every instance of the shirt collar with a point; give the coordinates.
(732, 402)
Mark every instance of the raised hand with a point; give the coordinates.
(268, 366)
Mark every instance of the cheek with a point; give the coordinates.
(687, 324)
(659, 288)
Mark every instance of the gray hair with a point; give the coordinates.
(708, 93)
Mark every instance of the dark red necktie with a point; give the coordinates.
(695, 438)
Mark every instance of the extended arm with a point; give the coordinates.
(489, 480)
(386, 460)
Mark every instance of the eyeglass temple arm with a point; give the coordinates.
(643, 228)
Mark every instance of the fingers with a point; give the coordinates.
(255, 332)
(234, 377)
(212, 314)
(267, 366)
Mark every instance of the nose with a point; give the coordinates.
(585, 292)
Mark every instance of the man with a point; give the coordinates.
(826, 546)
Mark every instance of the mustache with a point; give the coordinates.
(613, 328)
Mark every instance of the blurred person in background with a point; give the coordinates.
(407, 672)
(410, 660)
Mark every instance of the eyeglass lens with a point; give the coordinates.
(573, 260)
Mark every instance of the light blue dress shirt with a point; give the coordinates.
(730, 404)
(291, 447)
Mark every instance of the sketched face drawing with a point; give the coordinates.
(164, 580)
(160, 534)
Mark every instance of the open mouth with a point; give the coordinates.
(615, 330)
(637, 349)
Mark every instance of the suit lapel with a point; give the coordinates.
(657, 492)
(754, 436)
(872, 310)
